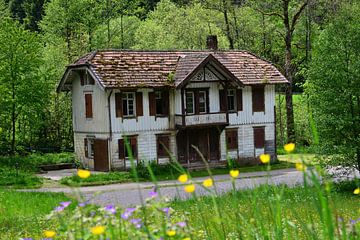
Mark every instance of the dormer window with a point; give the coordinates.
(86, 79)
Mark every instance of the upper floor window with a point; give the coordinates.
(128, 104)
(190, 105)
(159, 103)
(202, 101)
(88, 106)
(258, 98)
(86, 79)
(233, 99)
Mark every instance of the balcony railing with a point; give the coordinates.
(201, 119)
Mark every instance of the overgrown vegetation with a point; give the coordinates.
(98, 179)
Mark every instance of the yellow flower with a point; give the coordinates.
(183, 178)
(289, 147)
(83, 173)
(171, 233)
(234, 173)
(49, 233)
(189, 188)
(300, 166)
(357, 191)
(208, 182)
(187, 238)
(265, 158)
(97, 230)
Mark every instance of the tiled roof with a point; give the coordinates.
(126, 69)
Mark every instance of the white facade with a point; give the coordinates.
(105, 125)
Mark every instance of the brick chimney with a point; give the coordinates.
(212, 42)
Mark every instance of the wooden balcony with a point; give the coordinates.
(210, 119)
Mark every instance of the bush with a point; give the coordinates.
(97, 179)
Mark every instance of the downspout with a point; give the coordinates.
(110, 130)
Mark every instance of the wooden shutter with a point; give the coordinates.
(222, 97)
(88, 106)
(118, 105)
(121, 148)
(165, 99)
(152, 104)
(163, 143)
(239, 101)
(133, 144)
(259, 137)
(196, 101)
(258, 98)
(139, 104)
(86, 147)
(232, 139)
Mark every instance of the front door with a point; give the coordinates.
(101, 159)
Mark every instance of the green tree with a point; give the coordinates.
(334, 85)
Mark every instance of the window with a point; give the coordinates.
(231, 139)
(231, 100)
(163, 145)
(88, 106)
(123, 150)
(159, 103)
(202, 102)
(259, 137)
(128, 103)
(85, 78)
(89, 147)
(258, 98)
(190, 106)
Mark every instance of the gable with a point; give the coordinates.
(207, 74)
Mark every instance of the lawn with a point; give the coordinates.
(23, 213)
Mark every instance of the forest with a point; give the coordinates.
(314, 43)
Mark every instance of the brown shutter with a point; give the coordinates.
(118, 105)
(133, 143)
(163, 143)
(152, 104)
(88, 106)
(222, 97)
(86, 147)
(121, 149)
(139, 104)
(239, 100)
(259, 137)
(258, 98)
(165, 96)
(82, 78)
(207, 102)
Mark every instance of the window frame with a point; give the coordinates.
(234, 96)
(125, 97)
(89, 148)
(193, 102)
(204, 102)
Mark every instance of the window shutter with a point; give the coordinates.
(239, 101)
(139, 104)
(259, 137)
(163, 143)
(207, 102)
(196, 93)
(118, 105)
(133, 143)
(121, 149)
(222, 96)
(232, 139)
(258, 98)
(86, 147)
(166, 100)
(152, 104)
(88, 106)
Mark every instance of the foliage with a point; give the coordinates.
(97, 179)
(334, 85)
(23, 213)
(18, 178)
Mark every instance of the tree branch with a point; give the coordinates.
(270, 14)
(297, 15)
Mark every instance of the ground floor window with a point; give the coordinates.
(128, 147)
(232, 139)
(163, 145)
(259, 137)
(89, 147)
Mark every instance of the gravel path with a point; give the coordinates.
(128, 194)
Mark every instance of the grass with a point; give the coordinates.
(98, 179)
(23, 213)
(12, 178)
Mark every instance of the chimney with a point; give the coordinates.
(211, 42)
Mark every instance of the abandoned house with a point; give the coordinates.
(218, 103)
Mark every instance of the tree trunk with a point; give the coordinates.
(227, 24)
(122, 31)
(13, 120)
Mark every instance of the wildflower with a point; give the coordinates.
(183, 178)
(59, 209)
(300, 167)
(153, 194)
(357, 191)
(208, 182)
(265, 158)
(83, 204)
(289, 147)
(110, 209)
(187, 238)
(234, 173)
(65, 204)
(127, 213)
(49, 233)
(83, 173)
(97, 230)
(166, 211)
(171, 233)
(26, 238)
(136, 222)
(189, 188)
(181, 224)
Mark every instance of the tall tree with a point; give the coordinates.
(334, 85)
